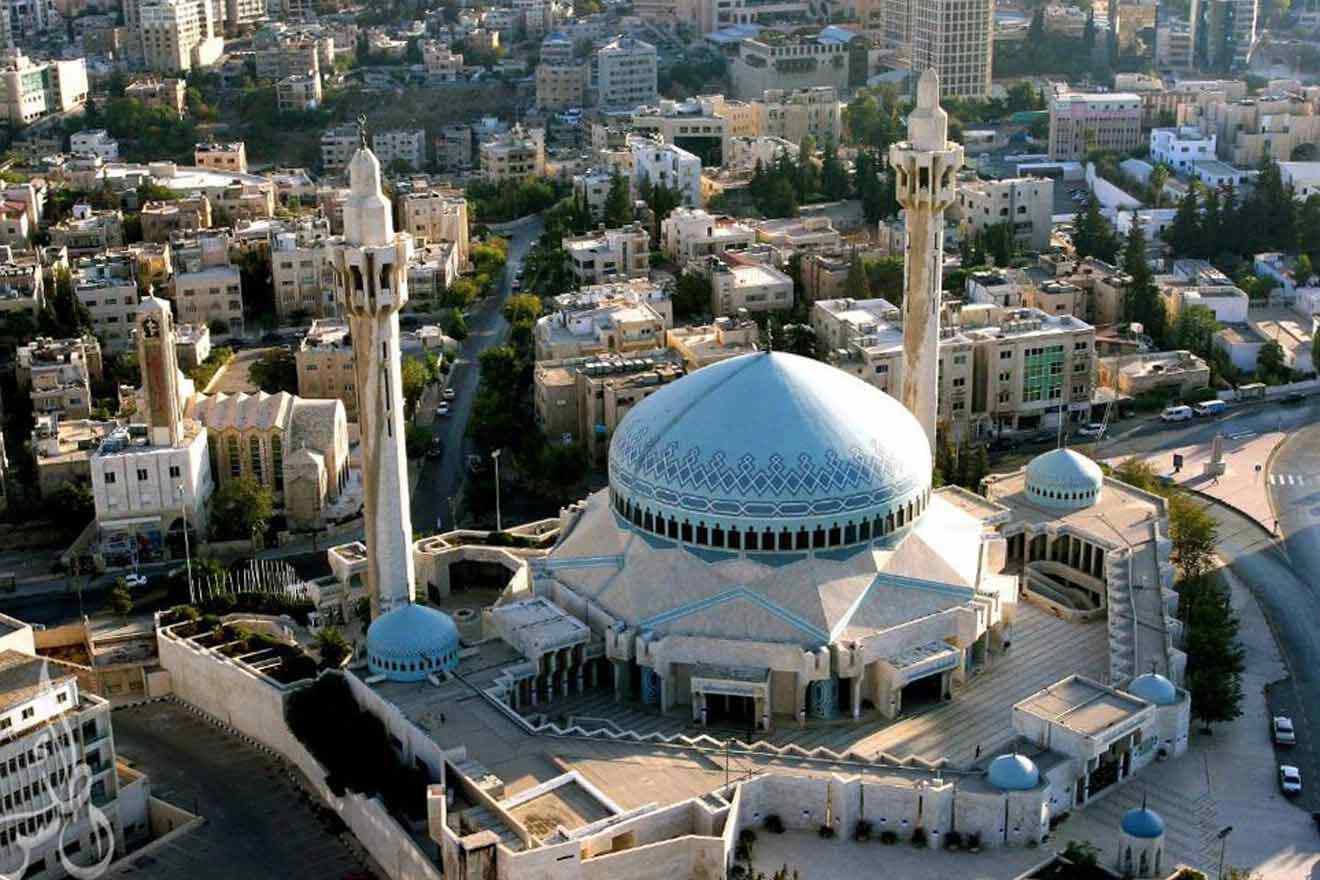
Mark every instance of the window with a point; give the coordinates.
(28, 713)
(142, 475)
(254, 453)
(109, 479)
(175, 472)
(1006, 354)
(235, 463)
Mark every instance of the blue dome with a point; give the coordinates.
(1142, 822)
(1064, 479)
(1013, 773)
(411, 641)
(770, 442)
(1154, 688)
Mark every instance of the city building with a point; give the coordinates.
(192, 345)
(299, 92)
(794, 114)
(337, 146)
(1026, 203)
(453, 147)
(1180, 148)
(222, 156)
(592, 187)
(179, 35)
(1303, 177)
(1080, 123)
(57, 375)
(441, 63)
(1192, 283)
(401, 146)
(1158, 372)
(324, 361)
(22, 282)
(788, 62)
(301, 272)
(955, 38)
(610, 254)
(666, 165)
(88, 231)
(515, 155)
(207, 287)
(96, 142)
(799, 234)
(36, 89)
(156, 92)
(601, 319)
(702, 345)
(624, 74)
(107, 285)
(432, 268)
(561, 86)
(163, 220)
(739, 284)
(16, 225)
(435, 215)
(689, 233)
(1248, 130)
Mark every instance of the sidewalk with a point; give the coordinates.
(1242, 486)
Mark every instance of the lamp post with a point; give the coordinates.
(1223, 841)
(187, 550)
(499, 523)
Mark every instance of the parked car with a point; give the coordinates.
(442, 410)
(475, 463)
(436, 449)
(448, 394)
(1210, 408)
(135, 580)
(1177, 413)
(1094, 429)
(1294, 397)
(1284, 734)
(1290, 780)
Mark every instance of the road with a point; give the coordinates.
(442, 478)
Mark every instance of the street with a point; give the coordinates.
(442, 478)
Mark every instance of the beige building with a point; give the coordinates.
(162, 220)
(1027, 203)
(799, 234)
(107, 285)
(453, 147)
(301, 272)
(1249, 130)
(22, 283)
(36, 89)
(435, 215)
(516, 155)
(57, 375)
(610, 254)
(88, 231)
(179, 35)
(789, 62)
(705, 344)
(338, 145)
(795, 113)
(599, 323)
(404, 146)
(824, 274)
(207, 287)
(325, 365)
(432, 268)
(1080, 123)
(299, 92)
(689, 233)
(222, 156)
(441, 63)
(956, 39)
(624, 72)
(739, 284)
(560, 86)
(1137, 374)
(155, 92)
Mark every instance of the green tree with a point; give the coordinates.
(692, 294)
(455, 325)
(332, 646)
(855, 285)
(1143, 303)
(1270, 364)
(1303, 271)
(240, 508)
(275, 371)
(618, 203)
(1195, 330)
(1194, 535)
(1215, 656)
(1159, 176)
(885, 279)
(121, 600)
(834, 181)
(413, 377)
(522, 308)
(1093, 234)
(1184, 233)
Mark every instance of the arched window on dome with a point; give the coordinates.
(717, 536)
(753, 540)
(901, 521)
(864, 530)
(802, 541)
(818, 538)
(636, 517)
(648, 521)
(703, 534)
(785, 540)
(835, 536)
(735, 539)
(685, 532)
(671, 527)
(850, 533)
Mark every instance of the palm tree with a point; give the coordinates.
(1159, 175)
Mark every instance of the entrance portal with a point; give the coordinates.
(922, 693)
(727, 710)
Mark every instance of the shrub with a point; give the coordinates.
(826, 831)
(747, 836)
(774, 824)
(953, 840)
(737, 872)
(863, 830)
(919, 836)
(888, 838)
(974, 840)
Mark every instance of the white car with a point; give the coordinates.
(1095, 429)
(449, 394)
(1177, 414)
(1284, 733)
(135, 580)
(443, 409)
(1290, 779)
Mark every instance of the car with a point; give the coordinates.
(1294, 397)
(475, 463)
(1176, 414)
(436, 449)
(442, 410)
(1094, 429)
(1003, 444)
(448, 394)
(517, 283)
(1284, 733)
(1290, 780)
(1209, 408)
(135, 580)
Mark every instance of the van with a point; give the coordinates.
(1176, 413)
(1210, 408)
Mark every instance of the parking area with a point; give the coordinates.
(258, 822)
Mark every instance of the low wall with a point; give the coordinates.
(684, 857)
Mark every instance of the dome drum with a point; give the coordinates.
(411, 642)
(1064, 479)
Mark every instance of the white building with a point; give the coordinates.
(1180, 147)
(300, 271)
(625, 73)
(688, 233)
(57, 374)
(34, 89)
(1303, 177)
(107, 285)
(956, 39)
(610, 254)
(1025, 203)
(180, 35)
(97, 142)
(666, 165)
(406, 145)
(738, 283)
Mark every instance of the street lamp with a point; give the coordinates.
(1223, 841)
(187, 551)
(499, 523)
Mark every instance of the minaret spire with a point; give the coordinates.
(924, 165)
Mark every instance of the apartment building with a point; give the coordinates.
(561, 86)
(799, 234)
(107, 285)
(705, 344)
(666, 165)
(155, 92)
(36, 89)
(593, 188)
(1026, 203)
(207, 287)
(230, 157)
(689, 233)
(453, 147)
(625, 74)
(1249, 130)
(739, 285)
(622, 316)
(610, 254)
(94, 142)
(163, 220)
(1080, 123)
(88, 231)
(774, 60)
(324, 361)
(956, 39)
(57, 374)
(515, 155)
(794, 114)
(338, 145)
(301, 271)
(285, 55)
(179, 35)
(435, 215)
(1180, 148)
(432, 268)
(441, 63)
(16, 226)
(299, 92)
(402, 146)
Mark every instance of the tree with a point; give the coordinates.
(1184, 233)
(834, 181)
(1303, 271)
(692, 294)
(1143, 304)
(1215, 657)
(855, 285)
(1270, 365)
(618, 203)
(1194, 535)
(1159, 176)
(71, 506)
(455, 325)
(240, 508)
(413, 376)
(121, 600)
(522, 308)
(1093, 234)
(275, 371)
(885, 279)
(332, 646)
(1195, 330)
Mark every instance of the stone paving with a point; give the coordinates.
(1043, 650)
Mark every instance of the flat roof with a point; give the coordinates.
(1081, 705)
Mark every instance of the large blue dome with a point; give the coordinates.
(411, 641)
(770, 446)
(1154, 688)
(1143, 823)
(1013, 773)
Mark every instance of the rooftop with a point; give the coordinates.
(1081, 705)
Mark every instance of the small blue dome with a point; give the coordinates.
(411, 641)
(1144, 823)
(1154, 688)
(1013, 773)
(1064, 479)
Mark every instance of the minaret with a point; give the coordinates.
(924, 165)
(371, 283)
(160, 371)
